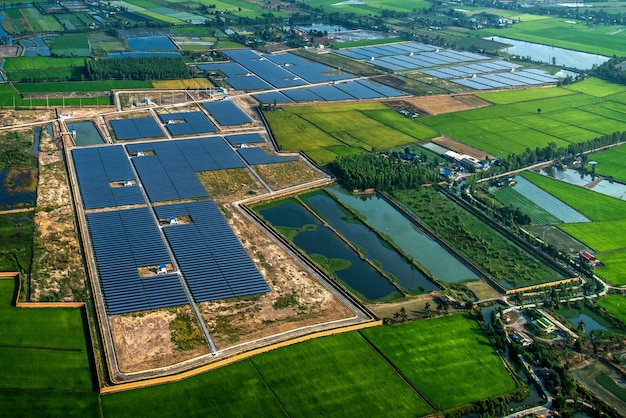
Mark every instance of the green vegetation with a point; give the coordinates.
(16, 237)
(44, 356)
(448, 371)
(534, 118)
(609, 384)
(366, 42)
(508, 196)
(137, 68)
(371, 7)
(81, 86)
(325, 132)
(493, 253)
(561, 32)
(16, 149)
(186, 333)
(614, 270)
(41, 69)
(70, 45)
(611, 163)
(615, 305)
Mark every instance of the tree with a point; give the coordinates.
(539, 110)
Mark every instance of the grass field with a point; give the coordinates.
(371, 7)
(508, 196)
(325, 132)
(70, 45)
(449, 371)
(614, 270)
(611, 162)
(193, 83)
(593, 205)
(16, 232)
(81, 86)
(41, 63)
(615, 305)
(605, 40)
(535, 117)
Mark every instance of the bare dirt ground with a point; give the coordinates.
(144, 341)
(7, 51)
(283, 175)
(58, 270)
(414, 307)
(13, 117)
(296, 298)
(444, 103)
(482, 290)
(228, 185)
(461, 148)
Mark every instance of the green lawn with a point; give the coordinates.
(615, 305)
(324, 132)
(449, 371)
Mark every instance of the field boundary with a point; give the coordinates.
(235, 358)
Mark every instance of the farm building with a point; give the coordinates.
(464, 160)
(589, 258)
(544, 324)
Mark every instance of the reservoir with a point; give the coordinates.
(86, 133)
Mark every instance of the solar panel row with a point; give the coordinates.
(257, 155)
(136, 128)
(123, 241)
(212, 260)
(506, 79)
(237, 76)
(244, 139)
(227, 113)
(268, 71)
(187, 123)
(105, 178)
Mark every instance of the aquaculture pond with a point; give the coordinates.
(317, 240)
(86, 133)
(383, 217)
(590, 323)
(390, 261)
(549, 203)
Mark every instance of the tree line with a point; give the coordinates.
(137, 68)
(381, 171)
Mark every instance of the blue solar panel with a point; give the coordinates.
(123, 241)
(237, 76)
(105, 178)
(313, 72)
(212, 260)
(270, 97)
(384, 91)
(135, 128)
(244, 138)
(274, 74)
(301, 95)
(257, 155)
(330, 93)
(358, 90)
(187, 123)
(227, 113)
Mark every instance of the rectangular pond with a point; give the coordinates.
(85, 133)
(321, 243)
(383, 217)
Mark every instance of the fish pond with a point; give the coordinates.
(385, 219)
(86, 133)
(302, 228)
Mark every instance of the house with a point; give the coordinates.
(589, 258)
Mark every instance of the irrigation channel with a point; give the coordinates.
(365, 242)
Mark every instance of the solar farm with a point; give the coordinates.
(293, 79)
(150, 257)
(438, 63)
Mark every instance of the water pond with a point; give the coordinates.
(408, 276)
(383, 217)
(548, 202)
(151, 43)
(544, 53)
(320, 240)
(605, 187)
(86, 133)
(11, 190)
(590, 323)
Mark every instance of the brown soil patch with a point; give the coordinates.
(13, 117)
(230, 185)
(296, 298)
(58, 272)
(291, 173)
(456, 146)
(482, 290)
(444, 103)
(415, 307)
(7, 51)
(144, 341)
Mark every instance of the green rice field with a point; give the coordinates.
(81, 86)
(325, 132)
(45, 359)
(41, 63)
(614, 270)
(534, 118)
(70, 45)
(615, 305)
(561, 32)
(370, 7)
(450, 371)
(611, 162)
(509, 197)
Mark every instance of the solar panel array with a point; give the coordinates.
(244, 139)
(123, 241)
(471, 69)
(273, 74)
(408, 55)
(136, 128)
(212, 260)
(237, 76)
(313, 72)
(187, 123)
(506, 79)
(96, 169)
(256, 155)
(227, 113)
